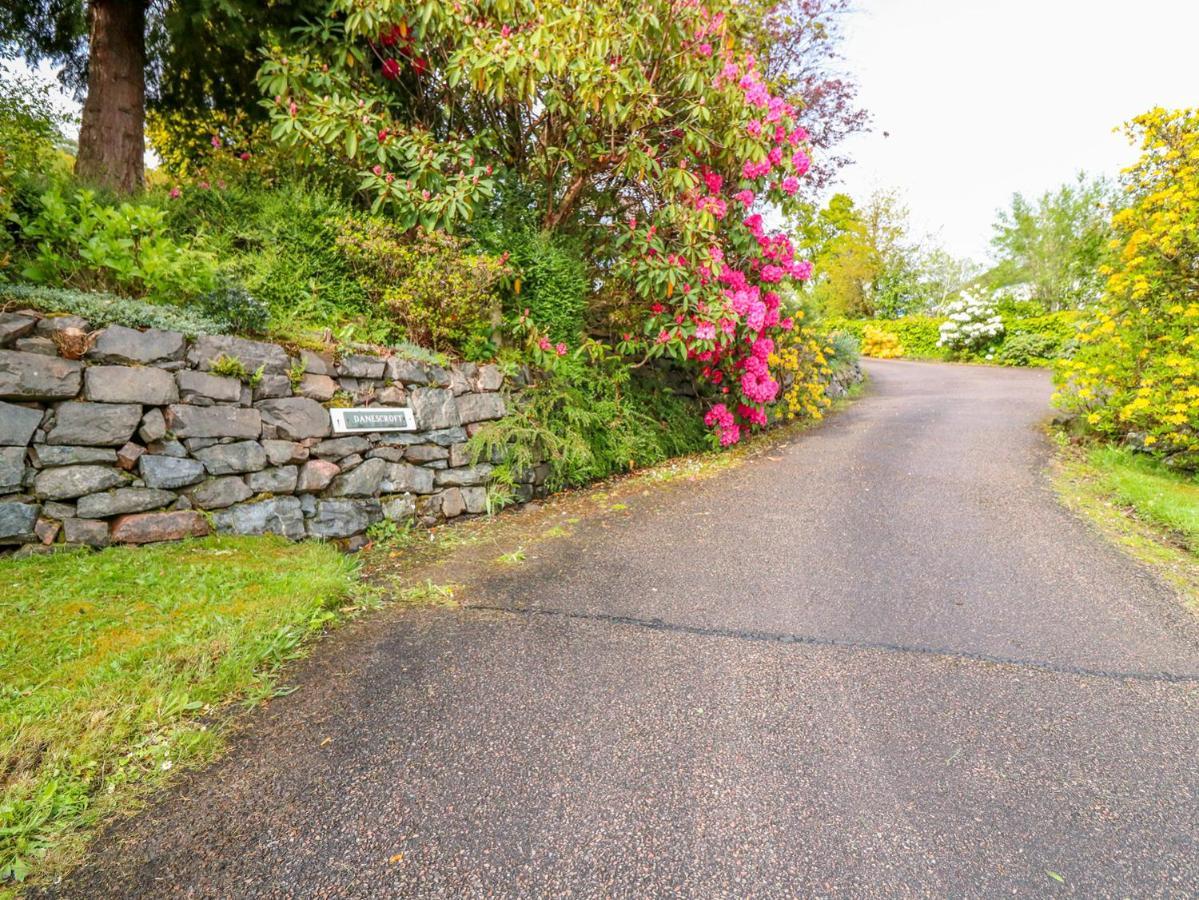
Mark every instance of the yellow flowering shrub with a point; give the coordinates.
(880, 344)
(801, 362)
(1137, 365)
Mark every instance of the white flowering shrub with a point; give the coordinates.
(972, 323)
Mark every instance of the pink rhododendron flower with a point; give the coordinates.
(754, 127)
(746, 196)
(705, 49)
(705, 331)
(560, 349)
(545, 344)
(800, 161)
(713, 182)
(790, 185)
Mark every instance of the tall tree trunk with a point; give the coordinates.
(112, 130)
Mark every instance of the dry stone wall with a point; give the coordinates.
(139, 440)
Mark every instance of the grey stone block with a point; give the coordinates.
(217, 388)
(317, 387)
(282, 480)
(407, 371)
(343, 518)
(391, 454)
(86, 424)
(214, 421)
(217, 493)
(423, 453)
(402, 478)
(400, 508)
(153, 426)
(88, 532)
(475, 499)
(12, 469)
(119, 345)
(278, 515)
(68, 482)
(359, 366)
(170, 472)
(167, 448)
(55, 510)
(459, 383)
(480, 407)
(433, 408)
(46, 456)
(17, 424)
(467, 476)
(296, 418)
(129, 384)
(280, 453)
(270, 387)
(232, 459)
(271, 358)
(121, 501)
(32, 376)
(339, 448)
(452, 504)
(42, 346)
(50, 324)
(490, 378)
(315, 363)
(13, 326)
(17, 521)
(362, 481)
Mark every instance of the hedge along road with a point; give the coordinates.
(880, 660)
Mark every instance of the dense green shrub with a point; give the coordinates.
(1027, 349)
(76, 240)
(437, 290)
(232, 304)
(845, 347)
(281, 245)
(106, 309)
(589, 420)
(918, 335)
(30, 153)
(1026, 340)
(1060, 327)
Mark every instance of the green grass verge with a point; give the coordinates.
(1158, 495)
(1148, 509)
(113, 666)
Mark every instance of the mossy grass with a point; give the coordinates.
(115, 666)
(1148, 509)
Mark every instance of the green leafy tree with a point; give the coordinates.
(187, 58)
(1055, 245)
(867, 262)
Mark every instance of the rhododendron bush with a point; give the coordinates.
(649, 128)
(1137, 366)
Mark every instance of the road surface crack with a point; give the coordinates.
(774, 637)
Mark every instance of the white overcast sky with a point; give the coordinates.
(984, 98)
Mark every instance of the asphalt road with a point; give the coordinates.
(879, 661)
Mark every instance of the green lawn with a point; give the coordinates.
(1147, 508)
(111, 664)
(1157, 494)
